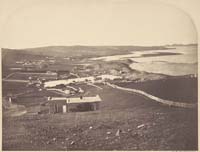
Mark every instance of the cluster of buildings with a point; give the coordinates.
(68, 102)
(91, 79)
(50, 80)
(34, 64)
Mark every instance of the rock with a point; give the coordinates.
(108, 133)
(62, 142)
(72, 143)
(118, 132)
(129, 130)
(107, 138)
(54, 139)
(66, 139)
(90, 127)
(140, 126)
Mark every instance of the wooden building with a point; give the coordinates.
(65, 104)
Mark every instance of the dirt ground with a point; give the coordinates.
(124, 122)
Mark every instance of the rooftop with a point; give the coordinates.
(77, 100)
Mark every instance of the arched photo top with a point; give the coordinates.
(113, 22)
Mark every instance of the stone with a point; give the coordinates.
(108, 133)
(72, 143)
(118, 132)
(140, 126)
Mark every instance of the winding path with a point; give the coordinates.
(91, 84)
(165, 102)
(10, 75)
(59, 91)
(14, 80)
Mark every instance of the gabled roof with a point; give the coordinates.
(77, 100)
(68, 81)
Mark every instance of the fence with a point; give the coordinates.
(166, 102)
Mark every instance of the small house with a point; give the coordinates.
(71, 104)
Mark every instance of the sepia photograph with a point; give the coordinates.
(98, 76)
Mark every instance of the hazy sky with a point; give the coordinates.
(33, 23)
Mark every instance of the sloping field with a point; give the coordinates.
(25, 76)
(180, 89)
(10, 109)
(13, 87)
(142, 125)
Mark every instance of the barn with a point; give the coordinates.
(70, 104)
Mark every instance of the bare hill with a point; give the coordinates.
(77, 51)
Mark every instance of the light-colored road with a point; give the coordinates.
(13, 80)
(75, 74)
(91, 84)
(59, 91)
(11, 75)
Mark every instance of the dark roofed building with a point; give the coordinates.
(66, 104)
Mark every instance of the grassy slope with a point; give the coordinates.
(181, 89)
(10, 55)
(165, 128)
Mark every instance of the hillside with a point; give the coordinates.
(77, 51)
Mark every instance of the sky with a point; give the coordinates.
(35, 23)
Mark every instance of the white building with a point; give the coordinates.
(68, 81)
(108, 77)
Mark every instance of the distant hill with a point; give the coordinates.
(191, 44)
(74, 51)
